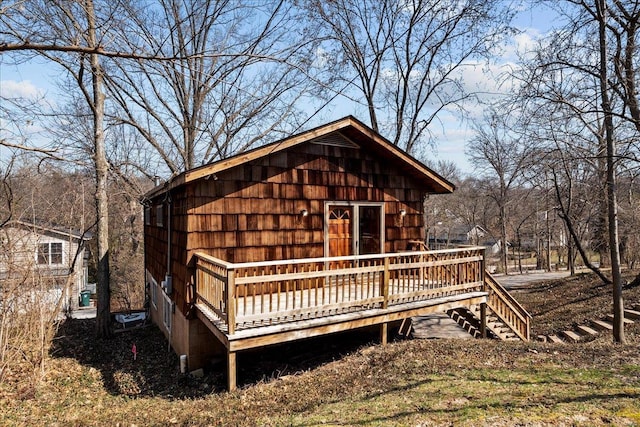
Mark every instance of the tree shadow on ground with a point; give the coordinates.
(155, 371)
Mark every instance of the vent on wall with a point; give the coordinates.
(335, 139)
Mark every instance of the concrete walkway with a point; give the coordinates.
(517, 281)
(84, 313)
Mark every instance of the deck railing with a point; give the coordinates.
(263, 293)
(510, 312)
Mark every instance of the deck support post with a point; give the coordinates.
(384, 332)
(483, 320)
(231, 371)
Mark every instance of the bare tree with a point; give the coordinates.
(405, 59)
(611, 153)
(500, 154)
(238, 74)
(51, 29)
(33, 293)
(586, 70)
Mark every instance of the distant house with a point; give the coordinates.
(57, 256)
(307, 236)
(441, 235)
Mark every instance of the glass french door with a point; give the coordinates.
(354, 229)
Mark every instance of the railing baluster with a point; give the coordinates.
(290, 289)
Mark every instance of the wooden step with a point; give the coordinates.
(601, 325)
(541, 338)
(632, 314)
(555, 339)
(626, 321)
(571, 336)
(585, 330)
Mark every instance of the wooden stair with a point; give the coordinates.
(585, 331)
(597, 326)
(505, 319)
(632, 314)
(469, 320)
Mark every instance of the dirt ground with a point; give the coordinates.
(562, 304)
(554, 304)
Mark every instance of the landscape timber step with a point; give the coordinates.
(602, 325)
(571, 336)
(626, 321)
(632, 314)
(586, 330)
(555, 339)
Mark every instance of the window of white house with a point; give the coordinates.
(49, 253)
(166, 312)
(159, 215)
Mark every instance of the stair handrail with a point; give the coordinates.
(497, 290)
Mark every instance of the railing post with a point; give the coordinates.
(231, 301)
(483, 267)
(386, 277)
(483, 306)
(197, 283)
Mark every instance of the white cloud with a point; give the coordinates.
(19, 89)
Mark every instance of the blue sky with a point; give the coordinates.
(37, 78)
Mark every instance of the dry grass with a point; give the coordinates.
(561, 304)
(342, 380)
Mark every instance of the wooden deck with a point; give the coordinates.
(251, 305)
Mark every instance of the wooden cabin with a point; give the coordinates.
(316, 233)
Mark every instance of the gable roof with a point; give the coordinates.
(349, 128)
(49, 229)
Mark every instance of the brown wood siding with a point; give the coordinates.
(252, 212)
(155, 244)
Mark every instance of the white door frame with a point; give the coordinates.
(355, 227)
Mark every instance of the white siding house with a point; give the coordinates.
(57, 257)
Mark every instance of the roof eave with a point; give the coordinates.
(440, 184)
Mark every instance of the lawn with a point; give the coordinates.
(345, 379)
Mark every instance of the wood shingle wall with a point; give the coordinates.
(251, 212)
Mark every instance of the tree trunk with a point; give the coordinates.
(503, 237)
(103, 314)
(571, 258)
(612, 203)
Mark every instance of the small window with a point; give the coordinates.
(49, 253)
(154, 293)
(56, 253)
(167, 308)
(159, 212)
(147, 215)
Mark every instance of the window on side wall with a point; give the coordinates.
(154, 293)
(147, 215)
(166, 312)
(49, 253)
(159, 218)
